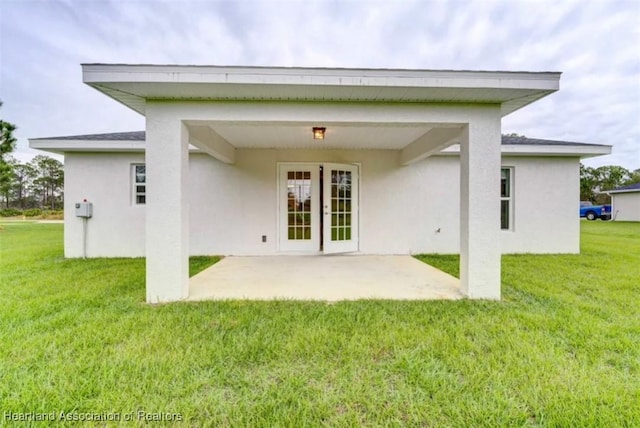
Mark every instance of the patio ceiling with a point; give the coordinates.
(337, 136)
(414, 141)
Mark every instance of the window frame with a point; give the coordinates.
(510, 198)
(134, 185)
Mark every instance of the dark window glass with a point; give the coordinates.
(505, 183)
(505, 198)
(140, 184)
(504, 214)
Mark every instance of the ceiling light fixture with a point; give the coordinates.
(318, 133)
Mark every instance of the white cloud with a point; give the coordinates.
(593, 42)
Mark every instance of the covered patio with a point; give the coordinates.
(326, 278)
(254, 120)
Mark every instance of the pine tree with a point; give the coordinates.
(7, 145)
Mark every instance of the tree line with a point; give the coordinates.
(35, 184)
(595, 181)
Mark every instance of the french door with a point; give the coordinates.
(318, 207)
(340, 208)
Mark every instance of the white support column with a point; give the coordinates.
(480, 252)
(167, 226)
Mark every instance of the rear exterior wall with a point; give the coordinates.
(626, 206)
(403, 209)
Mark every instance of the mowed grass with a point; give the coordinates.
(561, 349)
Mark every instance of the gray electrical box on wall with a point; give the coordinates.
(84, 209)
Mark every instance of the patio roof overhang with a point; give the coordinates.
(132, 85)
(316, 90)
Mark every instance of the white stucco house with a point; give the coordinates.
(625, 203)
(278, 161)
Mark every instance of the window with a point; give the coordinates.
(506, 198)
(139, 184)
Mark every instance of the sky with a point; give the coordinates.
(594, 43)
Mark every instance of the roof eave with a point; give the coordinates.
(121, 146)
(581, 151)
(621, 191)
(91, 146)
(63, 146)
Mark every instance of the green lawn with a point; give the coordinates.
(561, 349)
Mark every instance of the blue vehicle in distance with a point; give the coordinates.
(592, 212)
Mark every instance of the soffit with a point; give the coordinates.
(286, 136)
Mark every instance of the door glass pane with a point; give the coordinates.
(340, 205)
(299, 205)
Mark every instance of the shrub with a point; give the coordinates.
(10, 212)
(32, 212)
(53, 214)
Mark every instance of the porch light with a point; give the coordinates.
(318, 133)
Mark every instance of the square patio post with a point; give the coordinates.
(480, 252)
(167, 216)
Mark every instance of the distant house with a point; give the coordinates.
(265, 161)
(625, 202)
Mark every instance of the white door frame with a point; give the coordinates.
(313, 246)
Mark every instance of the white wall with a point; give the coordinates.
(401, 208)
(117, 226)
(547, 197)
(391, 198)
(626, 206)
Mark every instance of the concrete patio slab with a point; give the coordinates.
(327, 278)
